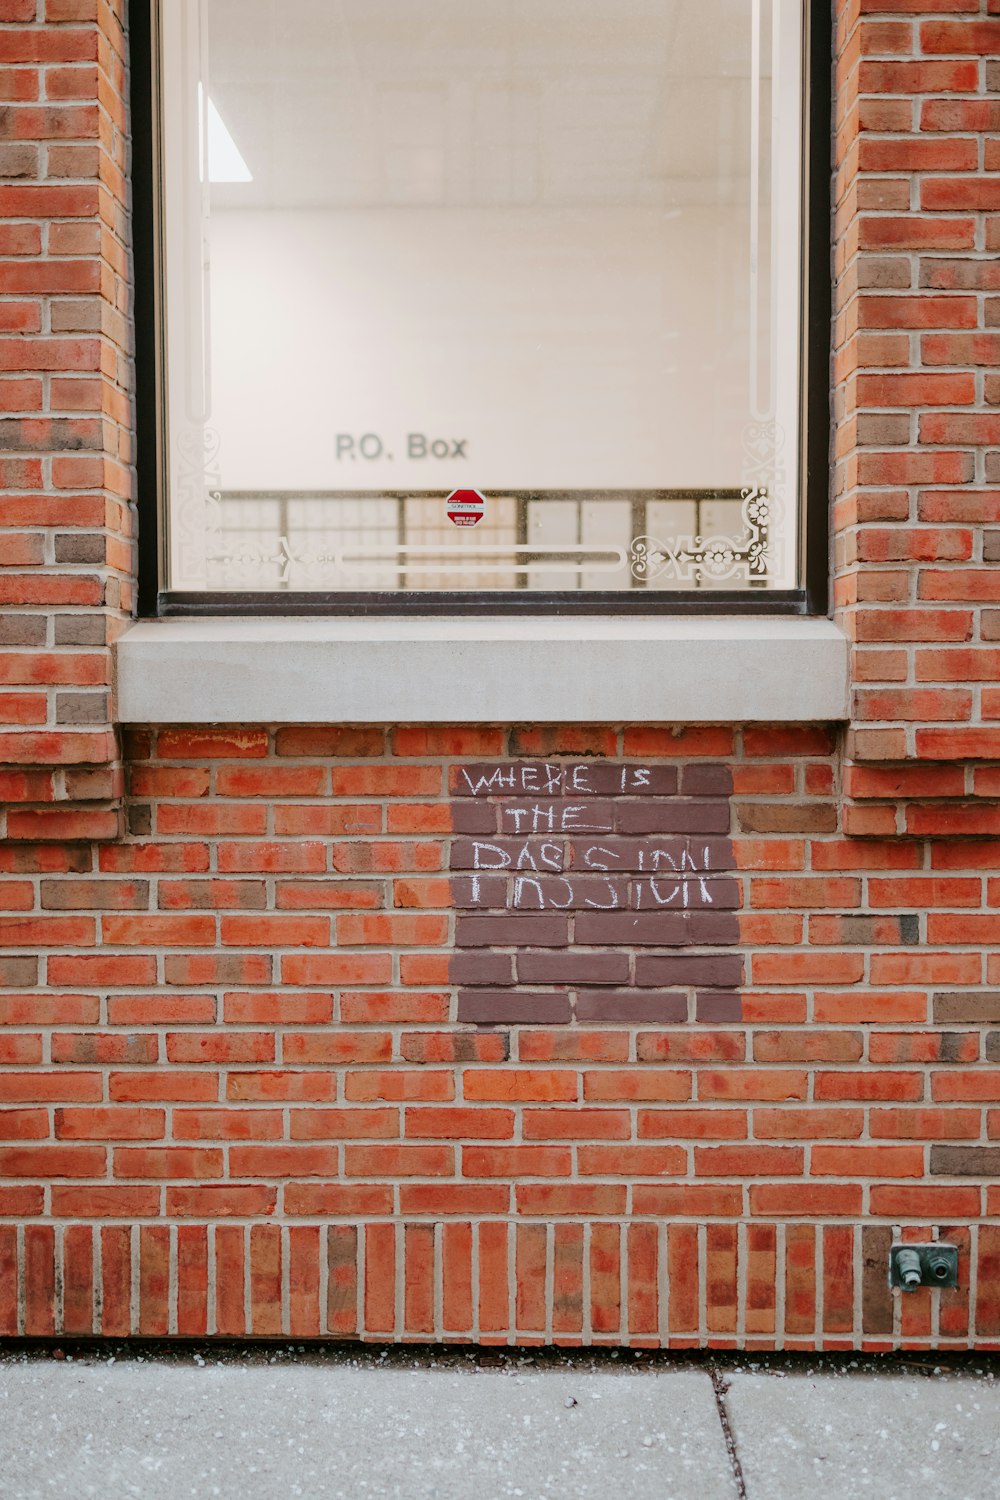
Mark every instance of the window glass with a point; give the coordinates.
(482, 295)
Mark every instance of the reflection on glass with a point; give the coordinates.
(546, 249)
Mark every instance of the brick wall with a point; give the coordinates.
(272, 1064)
(917, 403)
(644, 1034)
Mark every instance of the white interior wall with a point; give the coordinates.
(568, 348)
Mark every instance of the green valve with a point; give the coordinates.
(913, 1266)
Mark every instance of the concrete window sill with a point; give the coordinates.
(584, 669)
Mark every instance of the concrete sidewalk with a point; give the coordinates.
(255, 1425)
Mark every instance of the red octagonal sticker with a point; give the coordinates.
(466, 507)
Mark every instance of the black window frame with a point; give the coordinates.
(812, 598)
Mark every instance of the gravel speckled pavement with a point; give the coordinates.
(255, 1424)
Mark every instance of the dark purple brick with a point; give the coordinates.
(632, 1005)
(726, 895)
(553, 854)
(473, 966)
(670, 892)
(515, 778)
(490, 891)
(572, 968)
(667, 929)
(512, 1007)
(663, 929)
(706, 781)
(673, 816)
(967, 1007)
(507, 930)
(683, 892)
(656, 856)
(528, 856)
(718, 1006)
(544, 819)
(608, 778)
(474, 817)
(712, 853)
(877, 1302)
(707, 927)
(615, 854)
(703, 970)
(861, 930)
(965, 1161)
(564, 893)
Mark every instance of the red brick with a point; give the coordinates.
(808, 1124)
(648, 1084)
(337, 969)
(52, 1161)
(336, 1198)
(192, 1280)
(439, 1198)
(202, 744)
(109, 1124)
(334, 1046)
(925, 1202)
(167, 1161)
(392, 930)
(867, 1161)
(296, 1083)
(105, 1201)
(163, 1086)
(226, 1124)
(748, 1161)
(399, 1161)
(957, 37)
(534, 1084)
(221, 1200)
(908, 232)
(230, 1264)
(515, 1161)
(805, 1200)
(247, 1086)
(845, 1085)
(692, 1124)
(340, 1124)
(919, 311)
(458, 1124)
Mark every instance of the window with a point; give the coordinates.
(489, 303)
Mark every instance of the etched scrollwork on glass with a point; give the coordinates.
(764, 465)
(197, 508)
(708, 560)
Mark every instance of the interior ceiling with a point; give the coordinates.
(392, 103)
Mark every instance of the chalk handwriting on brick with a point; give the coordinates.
(613, 876)
(541, 870)
(543, 856)
(683, 882)
(553, 779)
(553, 817)
(494, 781)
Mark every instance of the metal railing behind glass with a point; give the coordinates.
(329, 540)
